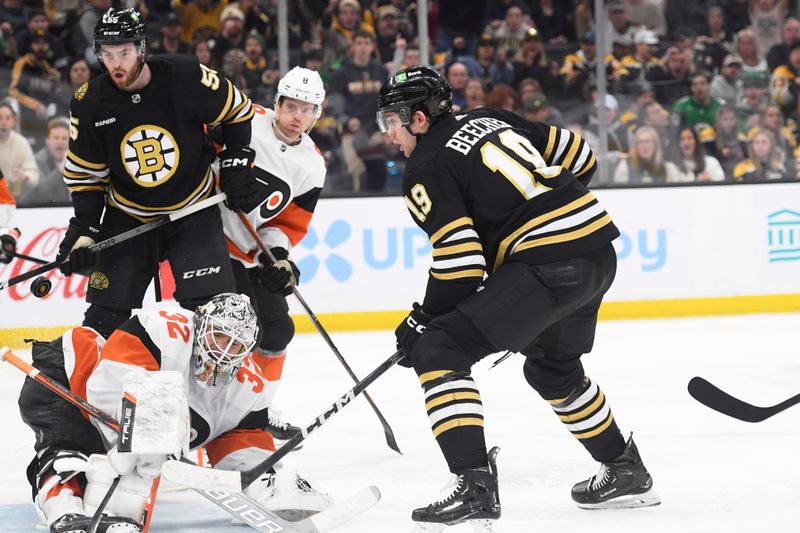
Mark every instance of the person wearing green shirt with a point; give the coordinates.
(699, 107)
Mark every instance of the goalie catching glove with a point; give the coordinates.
(409, 331)
(280, 276)
(237, 180)
(73, 252)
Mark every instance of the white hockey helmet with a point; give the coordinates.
(226, 331)
(302, 84)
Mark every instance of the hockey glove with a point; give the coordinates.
(73, 252)
(280, 276)
(8, 244)
(409, 331)
(237, 180)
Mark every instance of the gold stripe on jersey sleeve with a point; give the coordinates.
(587, 166)
(243, 118)
(84, 163)
(475, 273)
(179, 205)
(227, 105)
(573, 151)
(463, 221)
(79, 188)
(597, 430)
(571, 236)
(551, 142)
(541, 219)
(457, 249)
(456, 423)
(430, 376)
(238, 108)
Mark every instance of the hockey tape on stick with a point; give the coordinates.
(124, 236)
(391, 441)
(712, 396)
(190, 475)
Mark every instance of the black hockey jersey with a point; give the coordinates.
(147, 150)
(488, 186)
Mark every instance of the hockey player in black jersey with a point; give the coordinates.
(138, 151)
(522, 257)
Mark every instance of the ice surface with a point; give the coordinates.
(713, 473)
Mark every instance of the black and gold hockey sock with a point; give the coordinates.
(588, 417)
(455, 412)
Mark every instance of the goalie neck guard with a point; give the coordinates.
(226, 331)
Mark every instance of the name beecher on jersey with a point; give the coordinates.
(123, 145)
(290, 180)
(520, 222)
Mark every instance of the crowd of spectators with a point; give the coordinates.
(698, 90)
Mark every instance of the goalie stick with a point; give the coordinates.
(239, 506)
(124, 236)
(190, 475)
(387, 430)
(712, 396)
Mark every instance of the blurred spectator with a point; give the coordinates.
(255, 19)
(474, 94)
(33, 83)
(766, 19)
(411, 57)
(260, 79)
(737, 15)
(353, 99)
(643, 94)
(784, 82)
(584, 16)
(615, 147)
(459, 19)
(691, 161)
(337, 39)
(698, 109)
(746, 48)
(779, 54)
(653, 115)
(772, 120)
(727, 85)
(232, 33)
(764, 162)
(649, 13)
(534, 63)
(16, 13)
(528, 87)
(169, 41)
(503, 96)
(670, 78)
(199, 18)
(537, 109)
(489, 64)
(301, 25)
(621, 29)
(16, 155)
(201, 49)
(553, 20)
(728, 144)
(713, 44)
(50, 161)
(687, 14)
(643, 57)
(457, 75)
(755, 97)
(8, 44)
(578, 70)
(645, 163)
(39, 25)
(388, 32)
(78, 73)
(81, 35)
(509, 33)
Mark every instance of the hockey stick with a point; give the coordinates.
(98, 514)
(712, 396)
(190, 475)
(387, 430)
(239, 506)
(31, 259)
(124, 236)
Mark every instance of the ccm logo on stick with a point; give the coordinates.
(201, 272)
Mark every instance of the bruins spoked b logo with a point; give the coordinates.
(150, 155)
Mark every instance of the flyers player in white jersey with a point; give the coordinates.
(290, 172)
(8, 235)
(227, 409)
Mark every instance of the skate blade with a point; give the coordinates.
(629, 501)
(482, 525)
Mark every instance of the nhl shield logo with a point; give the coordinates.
(150, 155)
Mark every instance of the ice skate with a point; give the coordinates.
(280, 429)
(623, 483)
(77, 523)
(474, 499)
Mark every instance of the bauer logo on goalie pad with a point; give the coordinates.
(238, 505)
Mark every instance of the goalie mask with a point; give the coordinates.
(225, 332)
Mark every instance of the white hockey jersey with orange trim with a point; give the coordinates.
(290, 179)
(227, 419)
(7, 203)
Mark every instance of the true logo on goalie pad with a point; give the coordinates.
(126, 423)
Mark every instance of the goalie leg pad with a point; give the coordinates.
(289, 495)
(128, 500)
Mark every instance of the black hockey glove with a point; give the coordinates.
(237, 180)
(73, 252)
(409, 331)
(8, 244)
(280, 276)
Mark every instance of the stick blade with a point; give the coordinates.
(346, 510)
(712, 396)
(197, 477)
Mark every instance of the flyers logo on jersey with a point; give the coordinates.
(275, 191)
(150, 155)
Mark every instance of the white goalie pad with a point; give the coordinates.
(155, 414)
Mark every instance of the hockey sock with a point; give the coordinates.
(271, 365)
(55, 498)
(588, 417)
(455, 412)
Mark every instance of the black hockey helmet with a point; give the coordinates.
(120, 26)
(412, 89)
